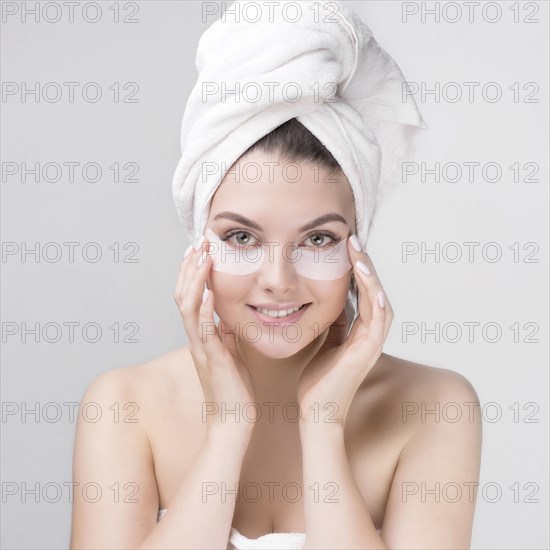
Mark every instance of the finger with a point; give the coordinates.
(368, 261)
(184, 268)
(179, 282)
(368, 286)
(379, 287)
(373, 275)
(357, 254)
(192, 289)
(185, 275)
(370, 341)
(380, 307)
(377, 328)
(228, 338)
(198, 271)
(208, 331)
(366, 294)
(389, 315)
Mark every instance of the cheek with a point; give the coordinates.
(334, 301)
(332, 291)
(329, 297)
(228, 289)
(340, 292)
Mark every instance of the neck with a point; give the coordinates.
(277, 378)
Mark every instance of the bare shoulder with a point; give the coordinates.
(146, 379)
(416, 380)
(150, 392)
(432, 400)
(399, 396)
(119, 411)
(436, 432)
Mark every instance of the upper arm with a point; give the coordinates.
(432, 497)
(115, 491)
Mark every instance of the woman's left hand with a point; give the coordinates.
(330, 380)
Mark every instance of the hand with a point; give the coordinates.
(330, 380)
(225, 380)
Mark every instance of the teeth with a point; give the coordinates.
(282, 313)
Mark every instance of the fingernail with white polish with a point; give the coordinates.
(199, 243)
(362, 267)
(380, 297)
(202, 259)
(187, 250)
(355, 243)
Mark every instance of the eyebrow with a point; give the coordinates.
(325, 218)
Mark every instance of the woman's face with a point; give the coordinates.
(267, 200)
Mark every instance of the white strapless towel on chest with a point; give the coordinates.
(266, 542)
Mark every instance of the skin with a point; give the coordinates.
(369, 451)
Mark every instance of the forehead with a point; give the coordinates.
(260, 183)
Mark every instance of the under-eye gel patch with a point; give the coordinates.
(322, 264)
(233, 260)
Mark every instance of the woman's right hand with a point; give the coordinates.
(225, 379)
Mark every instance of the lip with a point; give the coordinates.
(278, 307)
(278, 321)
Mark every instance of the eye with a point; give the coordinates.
(245, 238)
(322, 235)
(237, 233)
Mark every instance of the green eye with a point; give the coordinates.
(233, 233)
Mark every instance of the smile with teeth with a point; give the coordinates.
(281, 313)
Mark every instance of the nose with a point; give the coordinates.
(278, 272)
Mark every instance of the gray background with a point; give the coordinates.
(158, 53)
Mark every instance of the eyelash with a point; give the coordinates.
(329, 234)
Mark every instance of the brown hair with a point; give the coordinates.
(293, 141)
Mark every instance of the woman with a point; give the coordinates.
(338, 451)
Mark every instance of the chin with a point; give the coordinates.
(275, 342)
(278, 348)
